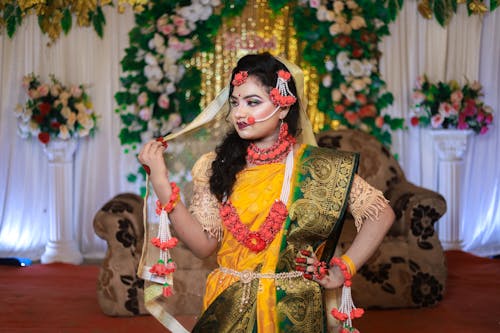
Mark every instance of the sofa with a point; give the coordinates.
(408, 269)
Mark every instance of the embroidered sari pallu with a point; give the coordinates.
(261, 291)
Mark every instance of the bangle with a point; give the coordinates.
(349, 263)
(170, 205)
(343, 268)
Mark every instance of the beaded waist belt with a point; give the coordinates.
(248, 276)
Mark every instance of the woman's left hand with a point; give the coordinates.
(328, 278)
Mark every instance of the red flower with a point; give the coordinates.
(167, 291)
(240, 78)
(414, 121)
(44, 108)
(55, 124)
(368, 111)
(357, 313)
(44, 137)
(351, 117)
(339, 108)
(339, 315)
(357, 52)
(284, 75)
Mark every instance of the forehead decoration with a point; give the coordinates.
(281, 94)
(240, 78)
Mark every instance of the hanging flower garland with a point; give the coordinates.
(55, 17)
(159, 92)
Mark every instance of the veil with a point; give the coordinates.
(184, 148)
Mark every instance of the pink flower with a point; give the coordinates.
(163, 101)
(418, 97)
(145, 114)
(166, 29)
(76, 91)
(178, 20)
(183, 30)
(446, 110)
(43, 90)
(483, 130)
(420, 81)
(142, 99)
(456, 97)
(437, 120)
(314, 3)
(462, 125)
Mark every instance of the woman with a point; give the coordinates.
(268, 204)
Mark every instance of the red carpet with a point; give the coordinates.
(62, 298)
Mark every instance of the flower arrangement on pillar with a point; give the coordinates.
(446, 105)
(453, 113)
(57, 116)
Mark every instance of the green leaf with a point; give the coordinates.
(11, 26)
(98, 22)
(494, 4)
(66, 21)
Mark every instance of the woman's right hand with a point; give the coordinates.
(151, 155)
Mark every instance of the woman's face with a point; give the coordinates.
(251, 99)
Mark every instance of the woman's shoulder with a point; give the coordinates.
(202, 169)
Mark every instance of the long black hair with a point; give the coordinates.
(231, 153)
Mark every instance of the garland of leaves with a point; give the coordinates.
(57, 16)
(443, 10)
(159, 92)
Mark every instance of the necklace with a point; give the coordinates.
(273, 154)
(258, 240)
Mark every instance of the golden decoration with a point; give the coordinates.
(258, 29)
(478, 7)
(424, 9)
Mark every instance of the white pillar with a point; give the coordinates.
(61, 246)
(451, 146)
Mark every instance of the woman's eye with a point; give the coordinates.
(233, 104)
(253, 103)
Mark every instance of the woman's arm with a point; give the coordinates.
(373, 217)
(188, 229)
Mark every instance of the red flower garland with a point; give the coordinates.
(352, 311)
(256, 241)
(170, 205)
(275, 153)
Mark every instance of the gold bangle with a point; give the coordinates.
(349, 263)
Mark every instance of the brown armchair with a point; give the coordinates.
(409, 268)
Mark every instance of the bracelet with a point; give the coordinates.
(170, 205)
(343, 268)
(349, 263)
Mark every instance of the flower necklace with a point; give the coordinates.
(258, 240)
(273, 154)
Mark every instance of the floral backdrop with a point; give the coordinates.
(161, 90)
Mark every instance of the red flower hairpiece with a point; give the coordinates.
(281, 94)
(240, 78)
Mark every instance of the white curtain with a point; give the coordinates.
(469, 46)
(100, 164)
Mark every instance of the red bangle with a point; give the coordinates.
(170, 205)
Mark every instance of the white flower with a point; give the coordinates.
(83, 132)
(175, 119)
(55, 90)
(351, 4)
(170, 88)
(34, 129)
(336, 95)
(63, 132)
(327, 80)
(343, 58)
(335, 29)
(150, 59)
(357, 22)
(153, 85)
(322, 13)
(71, 120)
(18, 111)
(329, 65)
(358, 84)
(75, 91)
(81, 108)
(26, 116)
(23, 132)
(338, 7)
(153, 72)
(367, 67)
(356, 68)
(65, 112)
